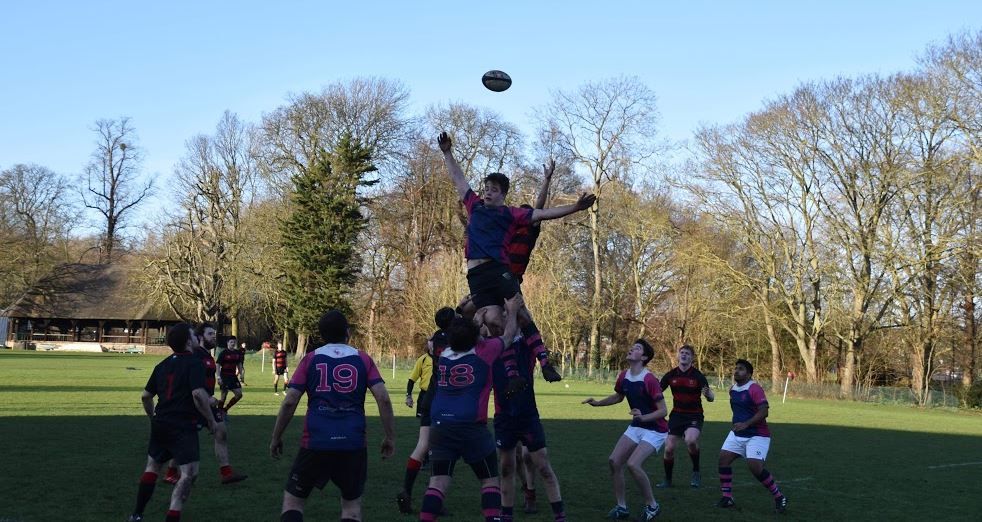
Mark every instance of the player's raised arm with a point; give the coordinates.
(606, 401)
(586, 201)
(456, 174)
(381, 395)
(547, 171)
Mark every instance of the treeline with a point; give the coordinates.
(834, 232)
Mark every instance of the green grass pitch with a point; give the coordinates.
(74, 440)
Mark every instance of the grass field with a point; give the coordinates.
(74, 439)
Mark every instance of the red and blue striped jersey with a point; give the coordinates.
(490, 230)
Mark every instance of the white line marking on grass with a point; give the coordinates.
(943, 466)
(779, 482)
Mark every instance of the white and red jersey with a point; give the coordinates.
(335, 378)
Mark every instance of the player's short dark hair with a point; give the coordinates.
(498, 179)
(692, 350)
(746, 364)
(333, 327)
(200, 330)
(463, 334)
(527, 206)
(444, 317)
(649, 352)
(178, 336)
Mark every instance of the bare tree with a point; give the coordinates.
(759, 177)
(604, 127)
(35, 216)
(201, 263)
(111, 183)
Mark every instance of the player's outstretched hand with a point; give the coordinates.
(548, 169)
(550, 374)
(444, 141)
(515, 386)
(591, 401)
(586, 201)
(388, 448)
(276, 448)
(409, 401)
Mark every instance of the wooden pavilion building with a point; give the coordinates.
(88, 307)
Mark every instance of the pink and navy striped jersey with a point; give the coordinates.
(463, 382)
(335, 378)
(490, 230)
(643, 392)
(745, 401)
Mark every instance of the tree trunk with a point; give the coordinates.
(775, 349)
(301, 345)
(971, 342)
(593, 355)
(848, 371)
(235, 323)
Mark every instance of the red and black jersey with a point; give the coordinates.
(686, 389)
(279, 359)
(172, 382)
(520, 248)
(209, 363)
(229, 361)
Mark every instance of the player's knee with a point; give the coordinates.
(545, 471)
(614, 465)
(693, 445)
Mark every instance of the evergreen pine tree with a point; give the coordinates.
(320, 236)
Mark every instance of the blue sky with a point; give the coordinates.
(174, 67)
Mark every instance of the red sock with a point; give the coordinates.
(173, 516)
(226, 471)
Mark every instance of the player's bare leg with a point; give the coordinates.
(526, 471)
(543, 468)
(221, 455)
(669, 460)
(236, 397)
(692, 444)
(351, 509)
(618, 457)
(635, 464)
(292, 510)
(182, 490)
(507, 467)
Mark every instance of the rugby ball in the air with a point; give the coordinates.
(496, 81)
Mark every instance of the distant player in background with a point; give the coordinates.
(242, 349)
(424, 374)
(280, 369)
(750, 437)
(178, 383)
(644, 436)
(688, 385)
(335, 378)
(231, 362)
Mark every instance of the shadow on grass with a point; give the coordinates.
(86, 468)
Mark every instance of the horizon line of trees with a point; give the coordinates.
(833, 232)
